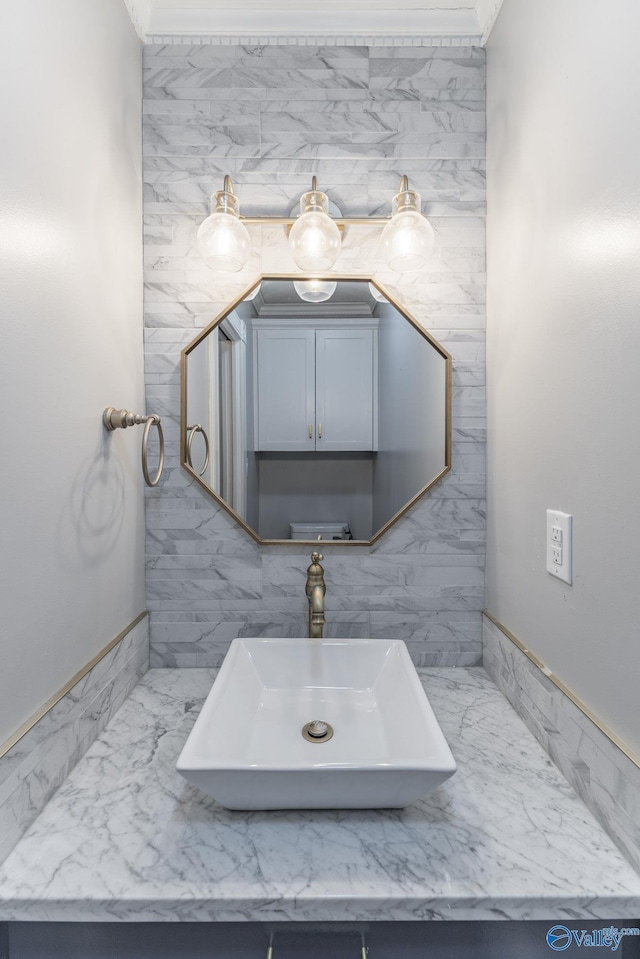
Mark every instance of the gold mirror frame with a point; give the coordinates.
(183, 409)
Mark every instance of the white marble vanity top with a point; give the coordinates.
(126, 837)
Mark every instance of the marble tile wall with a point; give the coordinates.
(607, 781)
(357, 117)
(38, 763)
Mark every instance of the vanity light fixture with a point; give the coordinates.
(314, 239)
(315, 291)
(223, 240)
(408, 238)
(314, 236)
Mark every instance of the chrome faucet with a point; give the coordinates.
(315, 590)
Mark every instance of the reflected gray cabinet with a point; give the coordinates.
(316, 389)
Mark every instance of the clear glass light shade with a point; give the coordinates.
(254, 292)
(315, 291)
(314, 239)
(376, 294)
(407, 239)
(223, 240)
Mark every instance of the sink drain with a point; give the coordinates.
(317, 731)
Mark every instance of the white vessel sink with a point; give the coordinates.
(247, 748)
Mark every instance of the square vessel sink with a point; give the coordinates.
(378, 744)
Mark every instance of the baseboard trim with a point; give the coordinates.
(604, 729)
(55, 699)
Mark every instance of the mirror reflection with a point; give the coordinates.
(315, 409)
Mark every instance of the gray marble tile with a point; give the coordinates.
(34, 768)
(246, 92)
(432, 145)
(427, 52)
(220, 568)
(224, 129)
(190, 590)
(206, 644)
(405, 599)
(176, 108)
(66, 712)
(422, 656)
(414, 74)
(245, 111)
(187, 187)
(348, 122)
(607, 781)
(204, 635)
(441, 629)
(468, 485)
(258, 174)
(229, 542)
(246, 75)
(506, 837)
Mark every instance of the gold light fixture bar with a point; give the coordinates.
(340, 221)
(407, 239)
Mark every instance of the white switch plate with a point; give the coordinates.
(559, 545)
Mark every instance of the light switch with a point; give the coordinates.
(559, 545)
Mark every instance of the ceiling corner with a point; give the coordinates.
(487, 12)
(140, 14)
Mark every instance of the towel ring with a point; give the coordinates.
(191, 431)
(152, 420)
(113, 419)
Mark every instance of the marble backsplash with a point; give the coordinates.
(607, 780)
(35, 766)
(358, 118)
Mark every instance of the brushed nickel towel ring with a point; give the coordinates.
(191, 431)
(114, 419)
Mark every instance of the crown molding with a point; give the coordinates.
(139, 12)
(271, 314)
(488, 11)
(343, 22)
(317, 40)
(238, 22)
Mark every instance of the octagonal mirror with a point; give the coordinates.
(315, 410)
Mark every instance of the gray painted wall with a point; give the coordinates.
(71, 306)
(358, 117)
(564, 339)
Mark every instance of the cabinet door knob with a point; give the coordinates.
(319, 431)
(310, 431)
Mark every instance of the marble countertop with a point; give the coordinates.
(125, 837)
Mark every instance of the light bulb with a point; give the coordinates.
(315, 291)
(223, 240)
(408, 238)
(314, 239)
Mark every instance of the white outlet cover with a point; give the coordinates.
(563, 521)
